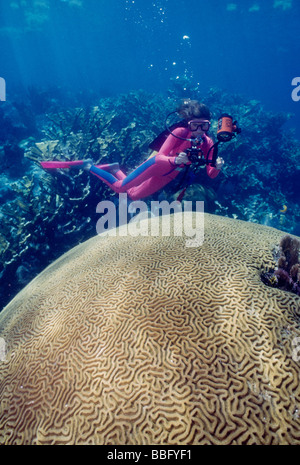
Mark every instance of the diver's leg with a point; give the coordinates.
(110, 179)
(151, 185)
(113, 168)
(157, 166)
(120, 174)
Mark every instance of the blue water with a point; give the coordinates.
(249, 47)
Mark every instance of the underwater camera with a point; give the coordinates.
(195, 154)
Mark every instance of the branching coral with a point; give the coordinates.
(287, 274)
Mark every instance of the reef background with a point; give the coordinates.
(86, 79)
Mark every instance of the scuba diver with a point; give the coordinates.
(168, 160)
(178, 147)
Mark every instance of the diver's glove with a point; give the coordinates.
(219, 163)
(182, 159)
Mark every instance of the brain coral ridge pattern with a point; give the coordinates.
(142, 340)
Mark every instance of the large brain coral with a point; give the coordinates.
(141, 340)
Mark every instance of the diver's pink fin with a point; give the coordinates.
(52, 165)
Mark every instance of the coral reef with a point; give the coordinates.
(142, 340)
(287, 274)
(43, 215)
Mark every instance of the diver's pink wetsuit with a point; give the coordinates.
(157, 171)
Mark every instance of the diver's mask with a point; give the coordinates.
(196, 125)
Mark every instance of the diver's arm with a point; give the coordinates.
(171, 145)
(213, 171)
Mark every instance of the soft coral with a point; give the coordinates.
(287, 274)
